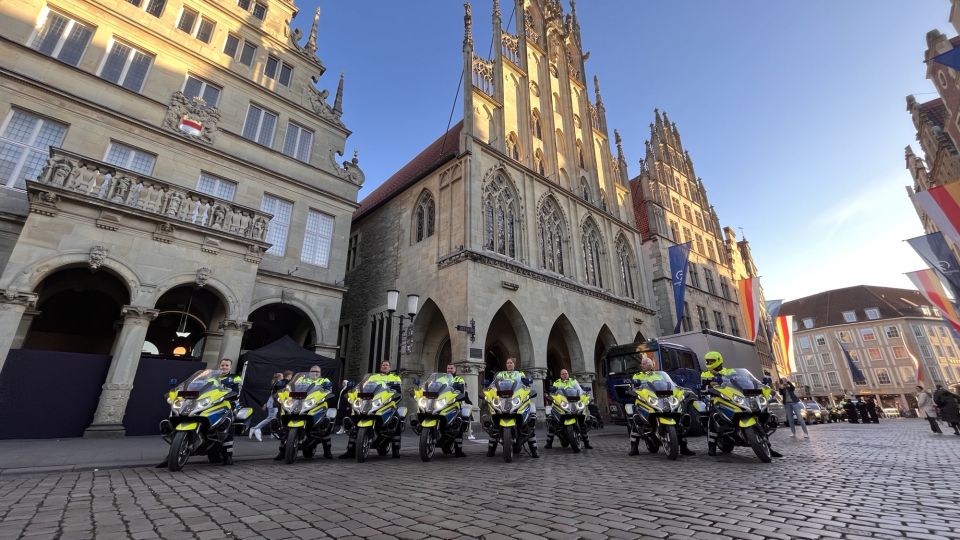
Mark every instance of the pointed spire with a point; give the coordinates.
(596, 90)
(467, 26)
(619, 141)
(311, 46)
(497, 15)
(576, 22)
(338, 100)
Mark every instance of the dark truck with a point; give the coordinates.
(680, 355)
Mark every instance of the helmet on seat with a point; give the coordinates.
(714, 360)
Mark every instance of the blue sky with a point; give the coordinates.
(794, 112)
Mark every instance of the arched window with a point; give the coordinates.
(550, 224)
(538, 163)
(536, 123)
(424, 216)
(593, 253)
(500, 215)
(580, 159)
(603, 200)
(513, 146)
(625, 265)
(584, 189)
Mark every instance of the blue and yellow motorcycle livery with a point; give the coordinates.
(739, 413)
(201, 418)
(568, 416)
(510, 417)
(441, 415)
(377, 419)
(306, 417)
(656, 414)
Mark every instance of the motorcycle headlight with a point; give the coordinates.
(496, 402)
(357, 403)
(288, 403)
(177, 404)
(308, 404)
(740, 400)
(203, 402)
(580, 405)
(376, 403)
(422, 402)
(762, 401)
(674, 402)
(441, 403)
(170, 400)
(653, 401)
(565, 405)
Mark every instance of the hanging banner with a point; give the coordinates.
(855, 373)
(785, 334)
(679, 255)
(930, 287)
(748, 291)
(935, 251)
(942, 205)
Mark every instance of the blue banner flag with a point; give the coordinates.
(951, 59)
(679, 255)
(935, 251)
(855, 373)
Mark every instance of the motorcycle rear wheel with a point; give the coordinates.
(574, 439)
(179, 451)
(428, 444)
(290, 451)
(671, 443)
(759, 443)
(362, 444)
(507, 444)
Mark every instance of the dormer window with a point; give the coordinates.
(850, 316)
(872, 313)
(808, 323)
(258, 9)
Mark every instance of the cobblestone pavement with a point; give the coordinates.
(892, 480)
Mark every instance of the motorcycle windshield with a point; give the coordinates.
(504, 385)
(438, 383)
(200, 380)
(744, 380)
(659, 381)
(573, 393)
(307, 382)
(370, 386)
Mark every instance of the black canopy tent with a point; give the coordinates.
(283, 354)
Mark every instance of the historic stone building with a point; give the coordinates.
(515, 228)
(170, 184)
(671, 207)
(881, 327)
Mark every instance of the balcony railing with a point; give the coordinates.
(120, 187)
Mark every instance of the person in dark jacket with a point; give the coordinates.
(873, 410)
(862, 410)
(949, 404)
(850, 408)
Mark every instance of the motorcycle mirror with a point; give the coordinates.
(349, 384)
(533, 394)
(172, 383)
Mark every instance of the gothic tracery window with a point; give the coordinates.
(500, 214)
(593, 253)
(580, 159)
(603, 200)
(513, 146)
(425, 216)
(584, 189)
(625, 266)
(538, 164)
(551, 227)
(537, 124)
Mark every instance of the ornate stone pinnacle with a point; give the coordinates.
(467, 25)
(311, 46)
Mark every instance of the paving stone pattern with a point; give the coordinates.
(894, 480)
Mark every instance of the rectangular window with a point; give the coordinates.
(278, 70)
(821, 340)
(687, 322)
(917, 330)
(196, 87)
(248, 53)
(711, 285)
(260, 10)
(231, 46)
(883, 376)
(279, 225)
(734, 327)
(939, 350)
(718, 319)
(808, 323)
(130, 158)
(244, 4)
(925, 310)
(804, 342)
(702, 317)
(298, 142)
(844, 336)
(317, 239)
(833, 378)
(872, 313)
(826, 359)
(188, 18)
(353, 251)
(694, 275)
(270, 68)
(950, 352)
(286, 74)
(25, 142)
(126, 66)
(942, 331)
(259, 125)
(815, 380)
(867, 334)
(724, 287)
(874, 354)
(892, 332)
(205, 30)
(908, 374)
(855, 356)
(153, 7)
(925, 351)
(850, 316)
(216, 186)
(900, 352)
(62, 38)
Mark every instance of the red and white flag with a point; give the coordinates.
(748, 291)
(930, 287)
(785, 333)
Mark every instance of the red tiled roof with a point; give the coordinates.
(437, 153)
(640, 208)
(826, 308)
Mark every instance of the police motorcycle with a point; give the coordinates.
(306, 416)
(657, 413)
(739, 411)
(377, 419)
(441, 414)
(568, 417)
(509, 416)
(201, 418)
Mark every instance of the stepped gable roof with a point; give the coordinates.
(436, 154)
(826, 308)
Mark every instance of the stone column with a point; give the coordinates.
(28, 317)
(538, 374)
(471, 371)
(232, 339)
(408, 380)
(108, 420)
(211, 347)
(13, 305)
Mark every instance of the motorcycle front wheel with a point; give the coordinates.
(179, 451)
(290, 451)
(671, 443)
(574, 439)
(507, 444)
(362, 445)
(759, 443)
(428, 443)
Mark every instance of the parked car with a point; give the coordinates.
(775, 407)
(813, 413)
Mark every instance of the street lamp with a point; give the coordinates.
(413, 300)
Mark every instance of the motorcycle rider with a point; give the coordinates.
(231, 381)
(714, 376)
(646, 375)
(565, 382)
(318, 379)
(459, 385)
(392, 381)
(511, 373)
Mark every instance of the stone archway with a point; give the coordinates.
(563, 349)
(507, 336)
(431, 340)
(605, 340)
(273, 321)
(187, 314)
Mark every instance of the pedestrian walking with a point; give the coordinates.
(873, 411)
(270, 406)
(792, 407)
(927, 408)
(949, 404)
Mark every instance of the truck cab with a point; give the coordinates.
(622, 361)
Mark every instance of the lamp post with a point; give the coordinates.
(413, 300)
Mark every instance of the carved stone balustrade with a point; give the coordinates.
(511, 47)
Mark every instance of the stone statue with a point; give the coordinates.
(219, 215)
(194, 211)
(259, 228)
(98, 254)
(233, 221)
(245, 229)
(203, 276)
(119, 188)
(174, 200)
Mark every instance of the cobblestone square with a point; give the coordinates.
(893, 480)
